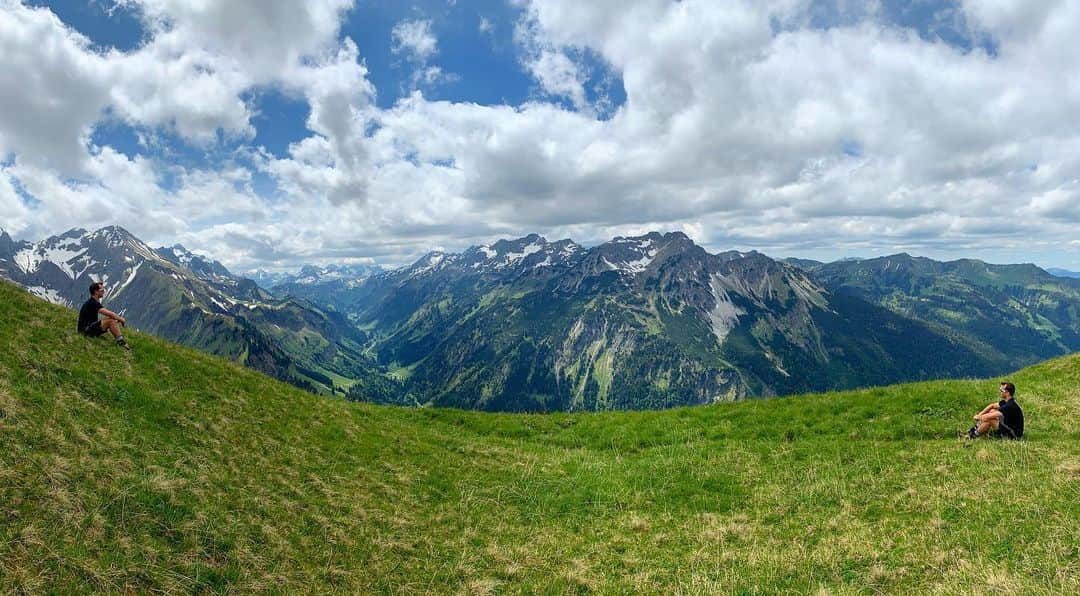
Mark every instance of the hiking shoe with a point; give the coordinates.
(124, 344)
(966, 434)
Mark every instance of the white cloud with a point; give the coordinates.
(55, 89)
(741, 125)
(559, 76)
(189, 77)
(333, 164)
(202, 56)
(17, 216)
(415, 39)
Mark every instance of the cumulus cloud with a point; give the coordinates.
(750, 128)
(189, 77)
(202, 56)
(331, 165)
(415, 39)
(752, 124)
(55, 89)
(17, 216)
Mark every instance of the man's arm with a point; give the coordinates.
(112, 315)
(990, 408)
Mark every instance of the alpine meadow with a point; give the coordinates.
(165, 469)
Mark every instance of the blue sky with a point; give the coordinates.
(270, 134)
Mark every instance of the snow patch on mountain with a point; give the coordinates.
(514, 257)
(639, 265)
(49, 294)
(131, 277)
(632, 255)
(431, 262)
(30, 259)
(219, 304)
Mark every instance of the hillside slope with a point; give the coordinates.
(191, 300)
(1010, 315)
(167, 469)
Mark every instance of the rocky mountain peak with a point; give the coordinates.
(199, 265)
(117, 242)
(636, 254)
(8, 245)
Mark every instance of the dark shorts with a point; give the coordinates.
(1003, 432)
(93, 330)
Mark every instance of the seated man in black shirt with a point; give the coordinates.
(1003, 419)
(89, 324)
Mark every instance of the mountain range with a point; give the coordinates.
(314, 274)
(194, 301)
(527, 324)
(1063, 272)
(656, 321)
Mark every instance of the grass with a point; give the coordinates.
(165, 469)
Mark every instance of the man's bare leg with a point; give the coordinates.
(112, 326)
(988, 422)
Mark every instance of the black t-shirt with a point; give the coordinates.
(88, 314)
(1012, 419)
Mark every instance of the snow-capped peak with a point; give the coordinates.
(632, 255)
(432, 261)
(530, 252)
(182, 255)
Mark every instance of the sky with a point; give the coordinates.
(269, 134)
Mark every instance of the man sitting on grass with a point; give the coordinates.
(1003, 419)
(90, 326)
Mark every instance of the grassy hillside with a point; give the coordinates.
(167, 469)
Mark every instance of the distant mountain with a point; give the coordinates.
(1011, 315)
(197, 264)
(804, 264)
(1063, 273)
(644, 322)
(313, 274)
(194, 301)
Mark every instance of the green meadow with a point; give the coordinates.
(168, 470)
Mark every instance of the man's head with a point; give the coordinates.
(97, 290)
(1007, 390)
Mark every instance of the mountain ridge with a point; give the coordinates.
(646, 321)
(650, 321)
(192, 300)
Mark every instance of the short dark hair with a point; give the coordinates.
(95, 287)
(1009, 387)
